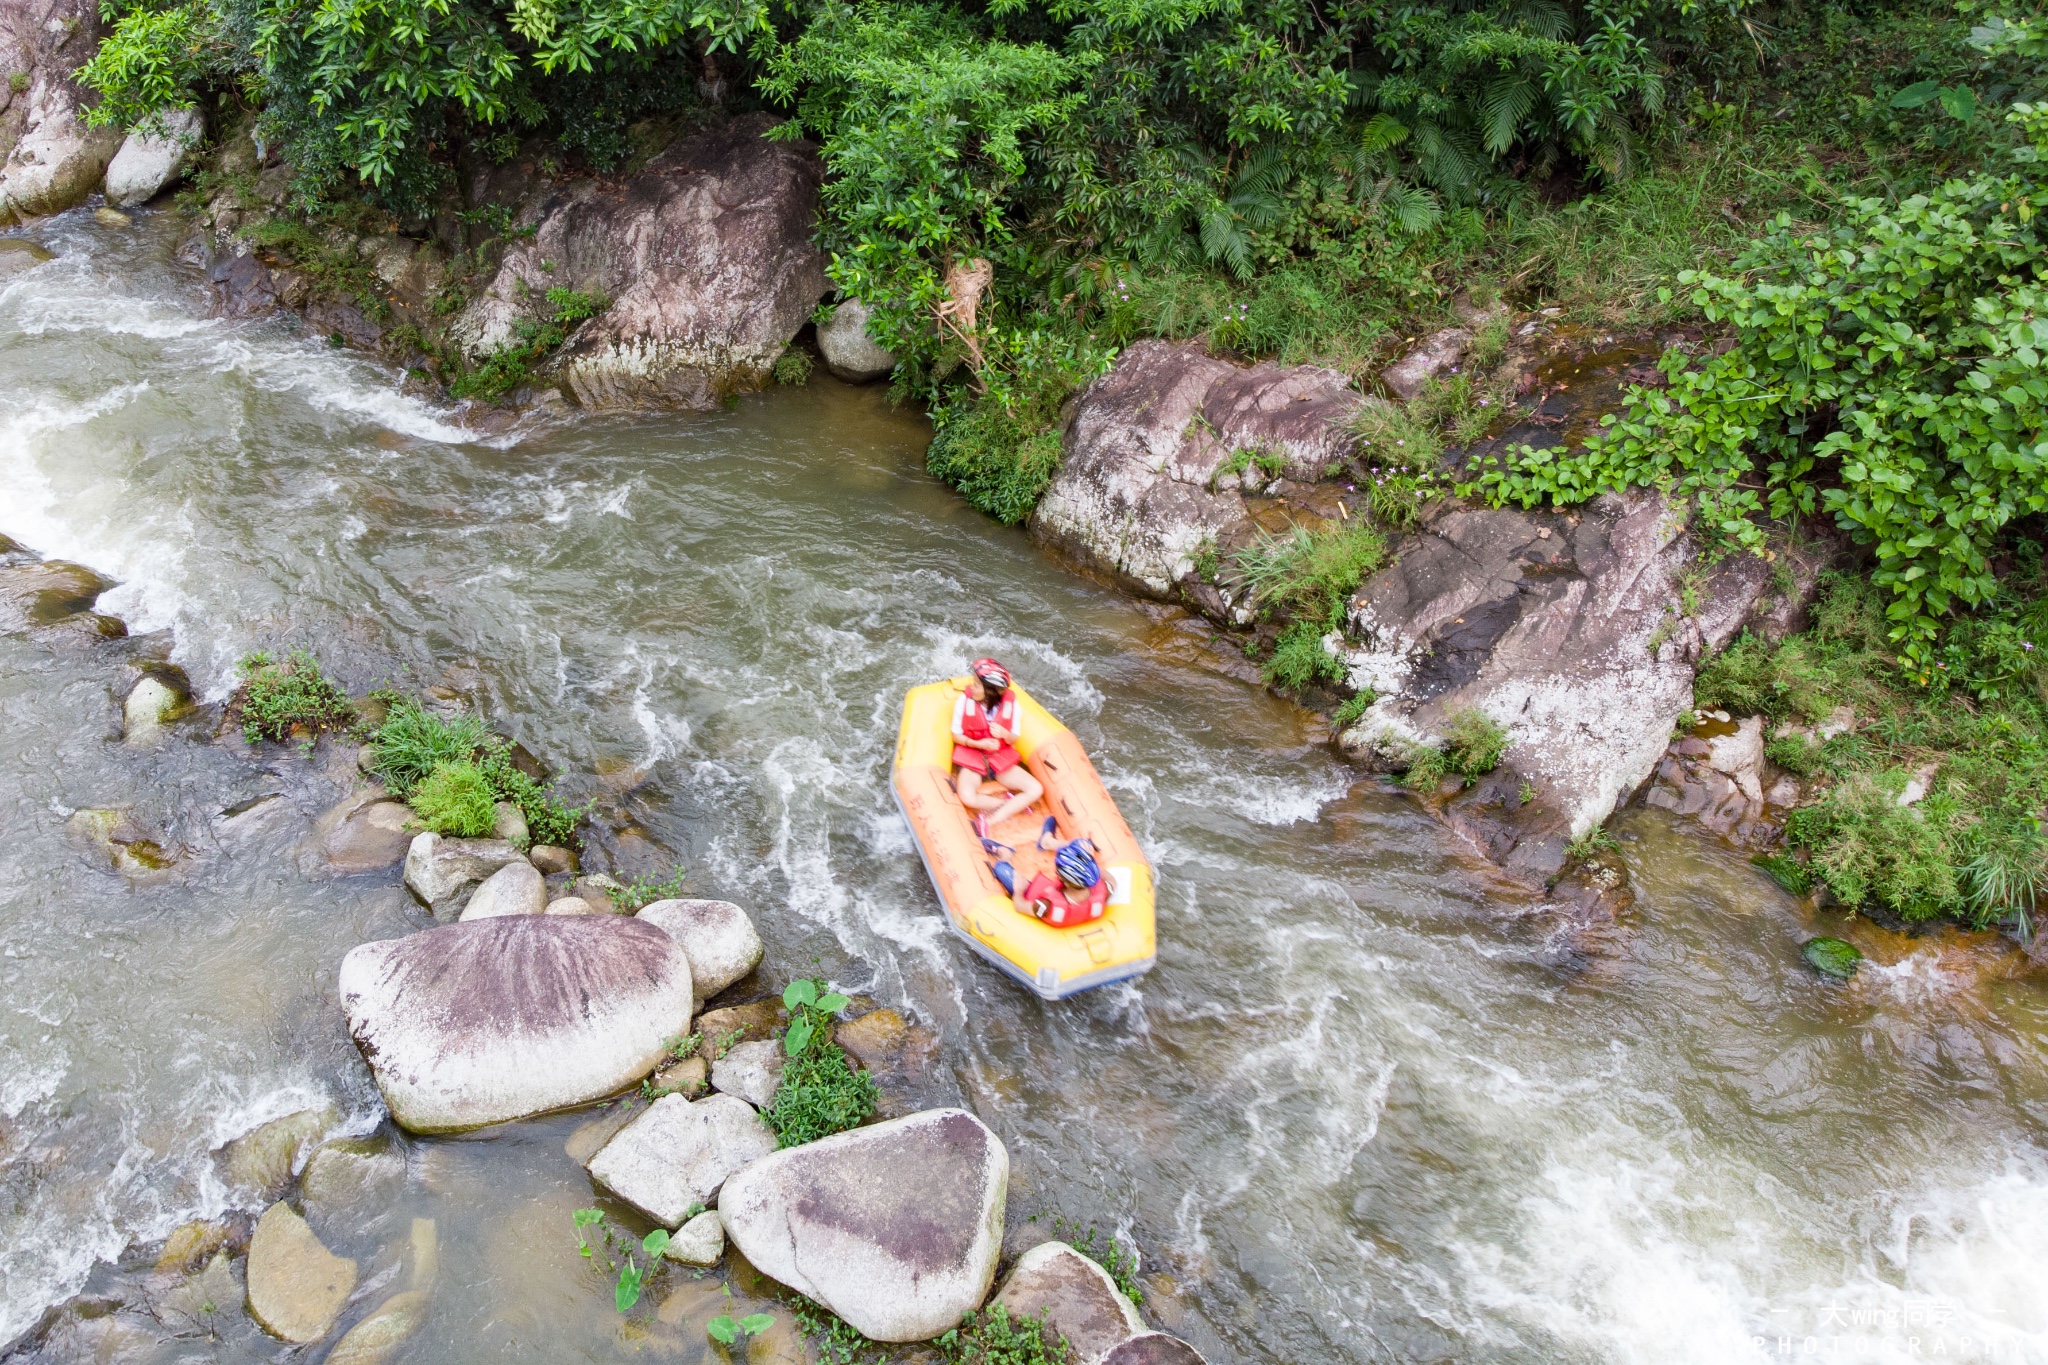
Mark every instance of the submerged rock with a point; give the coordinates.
(296, 1285)
(196, 1302)
(349, 1183)
(903, 1057)
(701, 1241)
(1160, 450)
(1154, 1348)
(850, 353)
(439, 869)
(706, 256)
(589, 1139)
(377, 1337)
(751, 1071)
(264, 1159)
(496, 1019)
(678, 1154)
(150, 703)
(1832, 957)
(191, 1245)
(517, 888)
(151, 160)
(1074, 1296)
(366, 833)
(894, 1227)
(720, 939)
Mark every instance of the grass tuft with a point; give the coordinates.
(456, 799)
(279, 695)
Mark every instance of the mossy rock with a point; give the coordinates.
(1831, 957)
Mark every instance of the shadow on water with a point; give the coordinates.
(1353, 1115)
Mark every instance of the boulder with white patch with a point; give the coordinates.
(721, 941)
(677, 1155)
(439, 870)
(472, 1024)
(153, 157)
(895, 1227)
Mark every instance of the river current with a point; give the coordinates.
(1365, 1108)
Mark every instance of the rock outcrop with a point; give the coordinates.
(895, 1227)
(49, 160)
(706, 257)
(850, 353)
(1074, 1296)
(677, 1155)
(439, 870)
(1577, 631)
(296, 1285)
(1159, 452)
(152, 159)
(722, 942)
(472, 1024)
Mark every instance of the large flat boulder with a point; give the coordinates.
(721, 941)
(894, 1227)
(677, 1155)
(707, 257)
(1075, 1297)
(497, 1019)
(1146, 477)
(1569, 629)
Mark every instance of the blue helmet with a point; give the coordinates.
(1075, 862)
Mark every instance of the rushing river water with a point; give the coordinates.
(1363, 1110)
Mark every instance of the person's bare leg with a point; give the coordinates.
(970, 793)
(1020, 781)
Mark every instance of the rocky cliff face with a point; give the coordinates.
(52, 161)
(705, 256)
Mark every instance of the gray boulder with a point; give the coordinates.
(751, 1071)
(1569, 630)
(1144, 481)
(850, 353)
(895, 1227)
(49, 160)
(720, 939)
(296, 1285)
(152, 159)
(1154, 1348)
(708, 259)
(515, 889)
(510, 825)
(472, 1024)
(439, 869)
(678, 1154)
(366, 831)
(1075, 1297)
(1438, 352)
(701, 1241)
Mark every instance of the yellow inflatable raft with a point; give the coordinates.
(1055, 963)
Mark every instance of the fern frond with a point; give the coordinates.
(1506, 101)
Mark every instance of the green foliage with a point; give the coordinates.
(821, 1092)
(505, 369)
(279, 695)
(1790, 873)
(1888, 371)
(1106, 1252)
(149, 65)
(793, 368)
(1795, 754)
(1002, 449)
(1473, 743)
(1354, 706)
(834, 1340)
(724, 1330)
(549, 819)
(641, 892)
(413, 741)
(1299, 660)
(619, 1254)
(455, 799)
(993, 1337)
(1308, 574)
(1591, 844)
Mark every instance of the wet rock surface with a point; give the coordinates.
(1147, 478)
(264, 1160)
(471, 1024)
(296, 1285)
(1154, 1348)
(676, 1156)
(49, 160)
(721, 941)
(751, 1071)
(900, 1259)
(1074, 1296)
(707, 259)
(440, 870)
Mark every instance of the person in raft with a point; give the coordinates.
(984, 724)
(1077, 896)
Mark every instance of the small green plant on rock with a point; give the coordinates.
(1106, 1252)
(993, 1337)
(735, 1334)
(793, 368)
(822, 1092)
(456, 800)
(1472, 745)
(836, 1341)
(1299, 659)
(642, 892)
(618, 1254)
(1354, 706)
(1593, 842)
(414, 741)
(281, 695)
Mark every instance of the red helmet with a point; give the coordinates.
(992, 673)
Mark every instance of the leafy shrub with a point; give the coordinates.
(505, 369)
(1795, 754)
(1299, 659)
(1887, 371)
(1472, 747)
(1869, 848)
(549, 819)
(821, 1092)
(455, 799)
(280, 695)
(641, 892)
(1354, 706)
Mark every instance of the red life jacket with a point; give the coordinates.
(1063, 911)
(974, 725)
